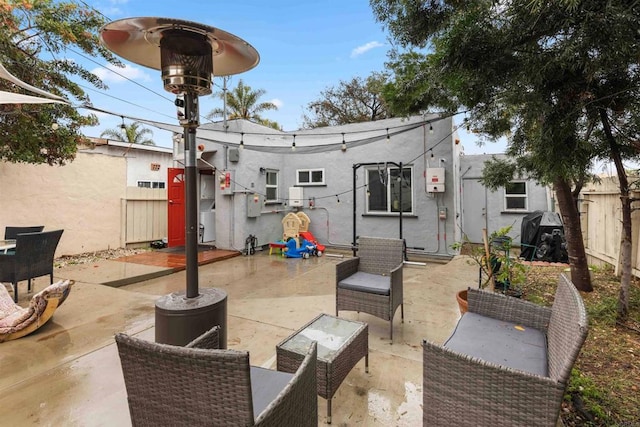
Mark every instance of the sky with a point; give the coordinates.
(305, 47)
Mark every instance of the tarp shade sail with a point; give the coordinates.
(16, 81)
(17, 98)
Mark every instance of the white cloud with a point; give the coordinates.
(113, 74)
(277, 102)
(365, 48)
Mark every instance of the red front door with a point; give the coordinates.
(176, 214)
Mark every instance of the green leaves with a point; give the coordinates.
(132, 133)
(242, 103)
(355, 101)
(35, 39)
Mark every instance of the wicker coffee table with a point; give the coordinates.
(341, 344)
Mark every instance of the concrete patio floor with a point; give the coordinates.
(68, 372)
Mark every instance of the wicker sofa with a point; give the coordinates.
(199, 385)
(507, 362)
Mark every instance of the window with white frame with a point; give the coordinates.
(271, 186)
(384, 187)
(309, 177)
(151, 184)
(515, 196)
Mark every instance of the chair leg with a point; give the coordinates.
(15, 291)
(28, 285)
(402, 312)
(391, 330)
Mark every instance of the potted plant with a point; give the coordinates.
(497, 269)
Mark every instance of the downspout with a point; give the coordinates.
(353, 242)
(426, 191)
(400, 200)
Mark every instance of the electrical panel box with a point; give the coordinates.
(234, 155)
(435, 180)
(296, 196)
(226, 182)
(254, 205)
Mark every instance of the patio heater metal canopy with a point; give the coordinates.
(188, 54)
(140, 40)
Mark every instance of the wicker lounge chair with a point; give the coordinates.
(33, 258)
(494, 371)
(372, 281)
(16, 321)
(197, 385)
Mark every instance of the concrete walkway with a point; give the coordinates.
(68, 372)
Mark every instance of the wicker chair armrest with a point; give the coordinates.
(346, 268)
(297, 404)
(462, 390)
(508, 309)
(396, 277)
(210, 340)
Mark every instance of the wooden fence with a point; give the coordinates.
(601, 219)
(144, 215)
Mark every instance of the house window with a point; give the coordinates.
(272, 185)
(151, 184)
(308, 177)
(384, 187)
(515, 196)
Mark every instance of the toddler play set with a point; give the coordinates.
(297, 241)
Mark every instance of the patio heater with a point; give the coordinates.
(188, 54)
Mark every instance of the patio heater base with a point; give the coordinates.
(180, 320)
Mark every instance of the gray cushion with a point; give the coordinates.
(367, 282)
(502, 343)
(266, 385)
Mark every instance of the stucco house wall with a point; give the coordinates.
(82, 197)
(144, 162)
(430, 229)
(483, 208)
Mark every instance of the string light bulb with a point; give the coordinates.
(432, 154)
(241, 140)
(343, 147)
(337, 199)
(123, 126)
(293, 145)
(388, 137)
(430, 129)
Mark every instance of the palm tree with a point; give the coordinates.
(132, 134)
(242, 103)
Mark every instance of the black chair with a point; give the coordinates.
(10, 232)
(33, 258)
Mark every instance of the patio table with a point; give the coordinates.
(341, 344)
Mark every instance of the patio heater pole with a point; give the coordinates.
(184, 51)
(191, 194)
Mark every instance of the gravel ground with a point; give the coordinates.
(89, 257)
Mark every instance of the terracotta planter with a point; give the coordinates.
(463, 304)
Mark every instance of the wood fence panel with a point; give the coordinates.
(146, 215)
(602, 224)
